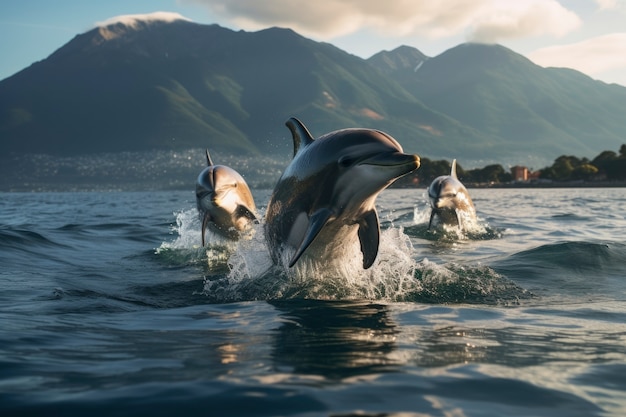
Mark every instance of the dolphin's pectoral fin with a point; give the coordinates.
(458, 219)
(430, 221)
(205, 223)
(369, 236)
(243, 211)
(316, 222)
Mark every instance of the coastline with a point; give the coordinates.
(552, 184)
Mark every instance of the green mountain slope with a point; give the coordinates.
(180, 85)
(526, 107)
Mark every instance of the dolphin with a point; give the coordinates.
(450, 201)
(224, 200)
(325, 197)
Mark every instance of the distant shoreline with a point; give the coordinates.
(554, 184)
(147, 187)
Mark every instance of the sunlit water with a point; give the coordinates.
(110, 306)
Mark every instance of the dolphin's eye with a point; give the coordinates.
(346, 161)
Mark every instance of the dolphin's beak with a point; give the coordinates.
(394, 159)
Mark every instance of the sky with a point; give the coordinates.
(586, 35)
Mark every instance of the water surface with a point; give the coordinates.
(109, 306)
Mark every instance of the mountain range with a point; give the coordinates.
(168, 85)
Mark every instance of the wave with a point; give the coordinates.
(20, 246)
(570, 267)
(10, 238)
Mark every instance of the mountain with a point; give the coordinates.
(157, 84)
(526, 107)
(401, 64)
(171, 84)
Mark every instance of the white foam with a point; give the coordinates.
(421, 215)
(253, 276)
(188, 231)
(472, 227)
(187, 247)
(250, 258)
(243, 270)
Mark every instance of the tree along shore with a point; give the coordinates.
(608, 169)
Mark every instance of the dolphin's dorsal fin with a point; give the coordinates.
(369, 236)
(208, 159)
(453, 170)
(301, 135)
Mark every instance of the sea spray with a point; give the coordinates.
(475, 229)
(243, 270)
(253, 275)
(187, 247)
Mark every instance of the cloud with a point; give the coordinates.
(523, 19)
(592, 56)
(607, 4)
(481, 20)
(132, 19)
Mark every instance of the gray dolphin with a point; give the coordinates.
(326, 196)
(450, 200)
(224, 200)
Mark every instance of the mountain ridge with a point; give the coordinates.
(179, 85)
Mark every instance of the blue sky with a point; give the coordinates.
(587, 35)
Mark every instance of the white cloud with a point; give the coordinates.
(592, 56)
(507, 20)
(607, 4)
(132, 19)
(481, 20)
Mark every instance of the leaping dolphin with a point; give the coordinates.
(325, 198)
(450, 201)
(224, 200)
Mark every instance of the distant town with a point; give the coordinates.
(177, 170)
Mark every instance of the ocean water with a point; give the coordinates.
(109, 306)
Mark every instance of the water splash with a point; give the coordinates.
(421, 216)
(243, 270)
(253, 275)
(395, 276)
(473, 228)
(186, 248)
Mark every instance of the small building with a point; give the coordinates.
(534, 175)
(520, 173)
(523, 174)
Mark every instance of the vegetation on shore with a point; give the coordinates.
(607, 166)
(169, 170)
